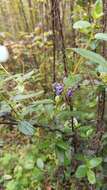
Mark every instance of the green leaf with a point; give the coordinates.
(7, 177)
(72, 80)
(91, 177)
(40, 163)
(102, 69)
(37, 174)
(44, 101)
(81, 171)
(26, 128)
(62, 145)
(60, 156)
(85, 131)
(6, 159)
(20, 97)
(64, 115)
(18, 171)
(28, 75)
(104, 136)
(35, 106)
(97, 11)
(94, 162)
(28, 164)
(13, 185)
(101, 36)
(81, 24)
(92, 56)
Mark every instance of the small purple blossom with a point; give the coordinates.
(70, 92)
(58, 88)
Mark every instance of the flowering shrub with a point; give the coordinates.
(54, 137)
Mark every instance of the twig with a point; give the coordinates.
(50, 129)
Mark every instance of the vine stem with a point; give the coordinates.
(49, 128)
(4, 69)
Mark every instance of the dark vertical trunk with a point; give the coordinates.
(58, 35)
(24, 16)
(47, 16)
(61, 34)
(53, 5)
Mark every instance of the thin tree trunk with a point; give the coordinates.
(31, 13)
(24, 15)
(54, 39)
(62, 39)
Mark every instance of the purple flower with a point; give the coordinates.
(69, 92)
(58, 88)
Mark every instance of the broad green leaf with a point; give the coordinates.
(34, 107)
(102, 69)
(60, 156)
(28, 164)
(91, 177)
(45, 101)
(104, 136)
(85, 131)
(38, 174)
(81, 171)
(26, 128)
(6, 159)
(12, 185)
(72, 80)
(92, 56)
(94, 162)
(18, 171)
(64, 115)
(5, 107)
(24, 97)
(7, 177)
(62, 145)
(101, 36)
(40, 163)
(97, 10)
(28, 75)
(81, 24)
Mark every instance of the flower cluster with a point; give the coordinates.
(59, 88)
(70, 92)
